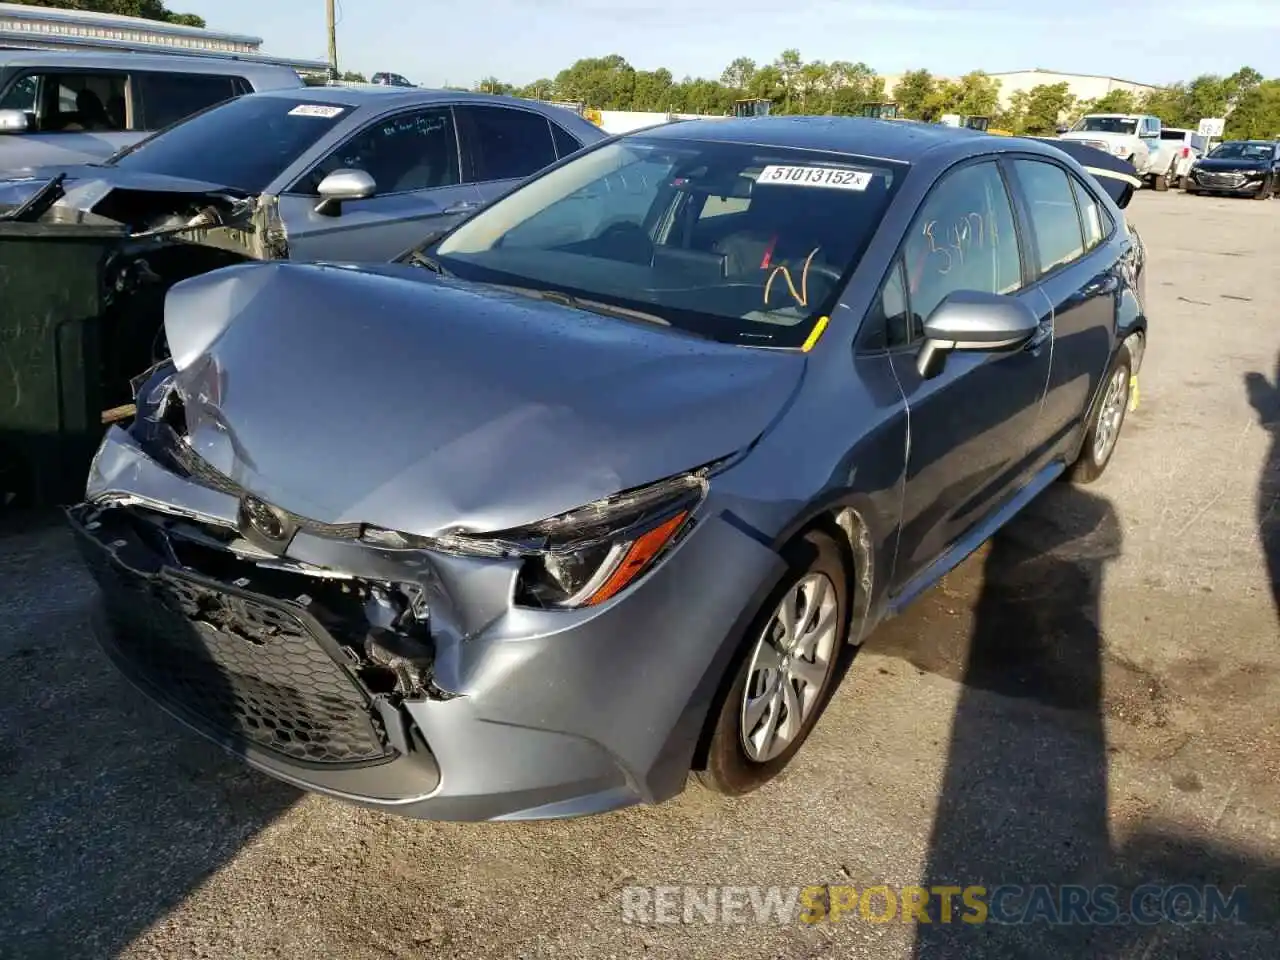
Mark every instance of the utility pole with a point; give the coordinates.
(333, 39)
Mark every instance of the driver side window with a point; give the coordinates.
(410, 151)
(963, 239)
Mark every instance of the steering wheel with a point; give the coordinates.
(627, 239)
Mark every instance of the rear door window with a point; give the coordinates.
(565, 142)
(505, 144)
(166, 98)
(1055, 223)
(1097, 222)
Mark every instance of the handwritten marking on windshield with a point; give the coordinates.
(802, 296)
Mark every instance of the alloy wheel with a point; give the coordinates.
(1110, 415)
(788, 667)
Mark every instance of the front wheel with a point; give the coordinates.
(1268, 190)
(785, 676)
(1103, 430)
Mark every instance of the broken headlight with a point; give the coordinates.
(586, 556)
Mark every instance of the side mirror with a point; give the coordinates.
(14, 121)
(342, 185)
(971, 320)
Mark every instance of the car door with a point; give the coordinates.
(76, 116)
(413, 159)
(1068, 227)
(501, 146)
(971, 427)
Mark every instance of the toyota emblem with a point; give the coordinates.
(262, 518)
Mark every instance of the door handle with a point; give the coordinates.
(462, 206)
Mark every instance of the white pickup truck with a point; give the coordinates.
(1180, 147)
(1130, 136)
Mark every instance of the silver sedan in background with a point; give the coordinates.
(351, 173)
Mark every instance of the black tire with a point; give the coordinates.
(1183, 184)
(1089, 465)
(1160, 182)
(1266, 192)
(728, 769)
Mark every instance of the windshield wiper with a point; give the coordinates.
(420, 259)
(594, 306)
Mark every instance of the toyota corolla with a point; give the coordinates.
(592, 491)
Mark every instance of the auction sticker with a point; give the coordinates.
(832, 177)
(316, 110)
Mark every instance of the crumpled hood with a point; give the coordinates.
(87, 185)
(399, 399)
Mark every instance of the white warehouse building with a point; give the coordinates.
(1082, 86)
(50, 28)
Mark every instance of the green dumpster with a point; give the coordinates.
(59, 369)
(81, 315)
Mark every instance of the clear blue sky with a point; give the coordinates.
(1151, 41)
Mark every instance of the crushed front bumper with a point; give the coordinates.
(521, 713)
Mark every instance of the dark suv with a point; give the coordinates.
(391, 80)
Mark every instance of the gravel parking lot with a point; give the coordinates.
(1090, 700)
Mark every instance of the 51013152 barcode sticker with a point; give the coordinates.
(831, 177)
(316, 110)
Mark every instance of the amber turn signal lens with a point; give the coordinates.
(640, 554)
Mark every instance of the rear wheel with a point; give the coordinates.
(1103, 431)
(784, 678)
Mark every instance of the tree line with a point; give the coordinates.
(1250, 102)
(147, 9)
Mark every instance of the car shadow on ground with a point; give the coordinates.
(1264, 397)
(1024, 798)
(112, 814)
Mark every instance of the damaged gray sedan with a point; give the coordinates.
(595, 490)
(317, 173)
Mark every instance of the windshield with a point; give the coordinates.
(1106, 125)
(737, 242)
(1243, 151)
(243, 144)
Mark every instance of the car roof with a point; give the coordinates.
(358, 95)
(854, 136)
(180, 63)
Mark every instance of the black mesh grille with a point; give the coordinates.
(244, 669)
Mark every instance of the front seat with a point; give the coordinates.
(92, 114)
(117, 113)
